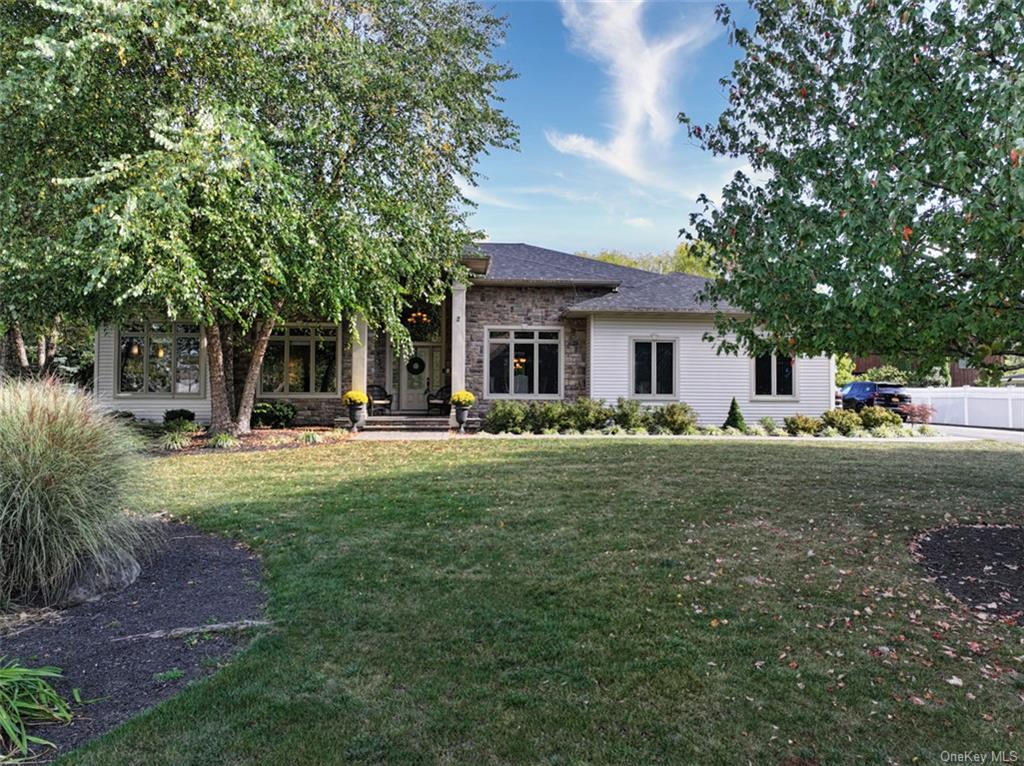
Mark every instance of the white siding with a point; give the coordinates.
(706, 381)
(145, 407)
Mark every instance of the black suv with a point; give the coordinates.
(861, 394)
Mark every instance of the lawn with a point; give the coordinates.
(593, 601)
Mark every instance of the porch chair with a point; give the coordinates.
(439, 400)
(380, 400)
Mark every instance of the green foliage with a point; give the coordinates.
(768, 424)
(27, 698)
(798, 425)
(176, 439)
(844, 370)
(505, 417)
(872, 417)
(586, 414)
(310, 437)
(675, 418)
(177, 415)
(901, 126)
(273, 414)
(887, 431)
(63, 479)
(238, 162)
(168, 675)
(735, 417)
(687, 258)
(545, 416)
(630, 414)
(180, 425)
(844, 422)
(885, 373)
(222, 441)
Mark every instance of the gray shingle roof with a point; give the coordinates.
(667, 293)
(518, 262)
(630, 290)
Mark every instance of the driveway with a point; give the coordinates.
(1010, 437)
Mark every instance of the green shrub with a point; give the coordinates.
(928, 430)
(872, 417)
(181, 425)
(630, 414)
(273, 414)
(711, 431)
(175, 439)
(545, 416)
(586, 414)
(675, 418)
(27, 698)
(802, 424)
(735, 418)
(730, 431)
(887, 431)
(222, 441)
(64, 472)
(886, 373)
(173, 415)
(310, 437)
(843, 421)
(505, 417)
(756, 431)
(829, 431)
(769, 424)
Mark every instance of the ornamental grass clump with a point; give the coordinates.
(63, 478)
(27, 698)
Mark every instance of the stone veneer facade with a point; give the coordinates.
(493, 305)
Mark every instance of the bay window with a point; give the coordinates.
(653, 368)
(524, 363)
(159, 358)
(773, 376)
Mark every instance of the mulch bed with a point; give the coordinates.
(980, 566)
(265, 439)
(195, 579)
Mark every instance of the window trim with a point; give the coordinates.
(173, 335)
(511, 329)
(773, 397)
(313, 338)
(631, 362)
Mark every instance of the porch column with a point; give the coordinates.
(359, 356)
(458, 376)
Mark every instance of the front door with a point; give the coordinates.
(421, 374)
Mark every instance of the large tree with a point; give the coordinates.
(885, 213)
(239, 162)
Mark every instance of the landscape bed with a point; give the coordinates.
(594, 601)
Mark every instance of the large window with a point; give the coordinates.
(301, 359)
(524, 363)
(159, 358)
(773, 376)
(654, 368)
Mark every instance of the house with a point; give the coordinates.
(532, 324)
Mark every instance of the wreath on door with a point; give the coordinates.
(415, 366)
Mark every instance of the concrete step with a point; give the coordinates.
(413, 423)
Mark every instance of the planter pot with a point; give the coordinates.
(357, 416)
(461, 416)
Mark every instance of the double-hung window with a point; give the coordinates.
(159, 358)
(653, 368)
(773, 376)
(301, 359)
(524, 363)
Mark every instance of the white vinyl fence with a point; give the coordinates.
(968, 406)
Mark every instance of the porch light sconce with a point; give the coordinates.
(160, 352)
(134, 350)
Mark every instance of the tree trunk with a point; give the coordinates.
(248, 397)
(221, 421)
(17, 347)
(227, 343)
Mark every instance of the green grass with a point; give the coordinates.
(590, 602)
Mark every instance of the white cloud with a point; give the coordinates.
(641, 72)
(482, 197)
(639, 222)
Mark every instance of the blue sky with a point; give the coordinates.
(603, 162)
